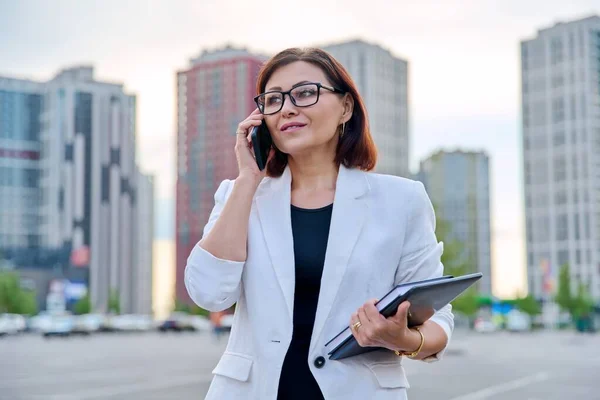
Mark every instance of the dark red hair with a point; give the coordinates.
(356, 148)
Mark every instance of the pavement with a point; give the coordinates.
(153, 366)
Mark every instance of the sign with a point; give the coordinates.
(547, 277)
(80, 257)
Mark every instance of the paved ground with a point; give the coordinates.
(538, 366)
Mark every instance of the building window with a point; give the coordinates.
(558, 110)
(556, 50)
(562, 227)
(560, 170)
(563, 257)
(543, 229)
(560, 197)
(530, 258)
(586, 224)
(559, 137)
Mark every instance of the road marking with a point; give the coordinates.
(117, 390)
(504, 387)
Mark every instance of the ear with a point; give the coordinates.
(348, 107)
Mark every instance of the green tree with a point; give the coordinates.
(528, 305)
(563, 298)
(468, 302)
(114, 304)
(83, 305)
(13, 298)
(453, 249)
(180, 306)
(196, 310)
(582, 304)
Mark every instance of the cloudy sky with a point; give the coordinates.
(463, 57)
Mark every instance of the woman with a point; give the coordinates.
(302, 246)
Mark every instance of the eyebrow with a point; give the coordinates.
(297, 84)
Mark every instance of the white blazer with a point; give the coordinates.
(381, 234)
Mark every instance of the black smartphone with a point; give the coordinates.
(261, 143)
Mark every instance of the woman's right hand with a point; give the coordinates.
(247, 167)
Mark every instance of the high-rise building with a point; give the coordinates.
(20, 193)
(382, 80)
(560, 84)
(142, 272)
(84, 133)
(458, 185)
(214, 94)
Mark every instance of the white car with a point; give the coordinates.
(60, 325)
(483, 325)
(11, 324)
(518, 321)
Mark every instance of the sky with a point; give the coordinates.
(463, 55)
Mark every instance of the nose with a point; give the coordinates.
(288, 108)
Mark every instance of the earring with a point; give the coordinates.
(343, 129)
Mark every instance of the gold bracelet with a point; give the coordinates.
(413, 353)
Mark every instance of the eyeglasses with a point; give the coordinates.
(303, 95)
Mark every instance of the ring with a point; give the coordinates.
(240, 133)
(356, 325)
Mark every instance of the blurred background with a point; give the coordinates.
(117, 123)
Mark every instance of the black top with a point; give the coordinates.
(310, 230)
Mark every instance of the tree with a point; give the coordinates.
(180, 306)
(114, 304)
(528, 305)
(582, 304)
(563, 296)
(467, 303)
(453, 249)
(13, 298)
(83, 305)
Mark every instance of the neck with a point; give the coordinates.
(313, 175)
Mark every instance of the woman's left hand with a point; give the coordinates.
(377, 331)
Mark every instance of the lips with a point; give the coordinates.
(291, 126)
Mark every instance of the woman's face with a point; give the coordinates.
(301, 130)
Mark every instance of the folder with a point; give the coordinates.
(426, 297)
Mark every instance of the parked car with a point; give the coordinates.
(518, 321)
(483, 325)
(60, 325)
(11, 324)
(87, 323)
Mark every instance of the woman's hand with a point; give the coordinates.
(244, 153)
(375, 330)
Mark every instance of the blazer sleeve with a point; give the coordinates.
(213, 283)
(421, 255)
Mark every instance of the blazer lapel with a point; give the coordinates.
(347, 219)
(275, 220)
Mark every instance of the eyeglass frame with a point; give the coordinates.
(319, 85)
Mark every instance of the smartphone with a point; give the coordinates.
(261, 143)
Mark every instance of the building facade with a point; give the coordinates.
(142, 273)
(20, 170)
(88, 181)
(382, 80)
(214, 94)
(458, 185)
(560, 85)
